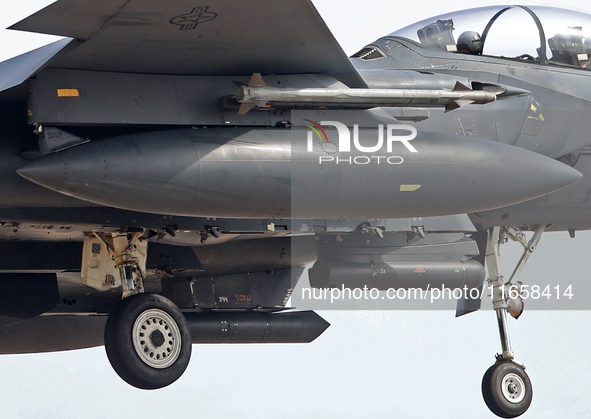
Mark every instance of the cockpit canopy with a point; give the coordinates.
(544, 35)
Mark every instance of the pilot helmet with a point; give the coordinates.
(470, 42)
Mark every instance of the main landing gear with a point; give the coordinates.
(147, 339)
(506, 388)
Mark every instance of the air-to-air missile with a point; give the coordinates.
(265, 173)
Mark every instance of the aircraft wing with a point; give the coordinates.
(225, 37)
(16, 70)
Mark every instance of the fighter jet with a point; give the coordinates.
(169, 171)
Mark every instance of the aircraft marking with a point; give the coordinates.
(409, 188)
(68, 93)
(190, 20)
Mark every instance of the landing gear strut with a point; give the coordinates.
(506, 388)
(147, 339)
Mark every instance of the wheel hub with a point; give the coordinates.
(513, 388)
(156, 338)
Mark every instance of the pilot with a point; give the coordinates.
(470, 42)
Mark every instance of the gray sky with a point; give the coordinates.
(373, 364)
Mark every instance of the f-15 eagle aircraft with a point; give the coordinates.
(170, 170)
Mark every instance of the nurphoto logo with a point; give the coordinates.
(344, 143)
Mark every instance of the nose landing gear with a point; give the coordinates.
(506, 388)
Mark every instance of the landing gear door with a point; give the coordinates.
(98, 266)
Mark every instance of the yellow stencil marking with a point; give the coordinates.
(409, 188)
(68, 93)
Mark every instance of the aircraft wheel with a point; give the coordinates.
(147, 340)
(506, 389)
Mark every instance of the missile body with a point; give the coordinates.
(365, 98)
(266, 173)
(258, 94)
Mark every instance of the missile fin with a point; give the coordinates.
(257, 81)
(245, 107)
(460, 87)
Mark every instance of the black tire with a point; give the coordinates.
(507, 389)
(156, 359)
